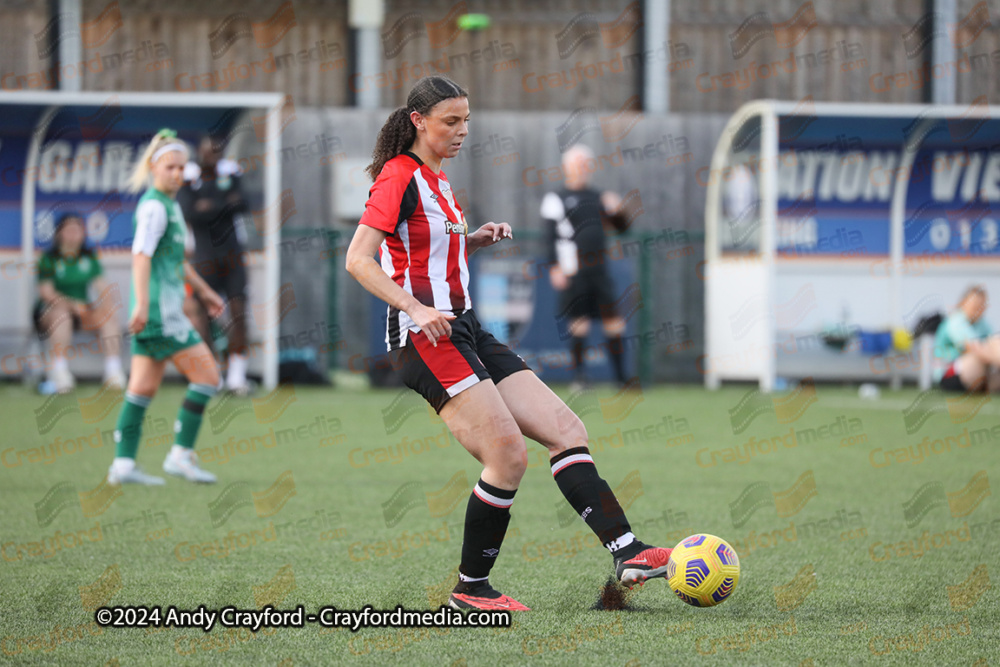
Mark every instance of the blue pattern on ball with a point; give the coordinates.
(725, 588)
(695, 572)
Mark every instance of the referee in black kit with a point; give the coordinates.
(213, 204)
(575, 216)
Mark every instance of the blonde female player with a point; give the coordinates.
(484, 392)
(160, 331)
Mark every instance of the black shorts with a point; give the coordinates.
(589, 295)
(36, 316)
(952, 383)
(225, 273)
(457, 363)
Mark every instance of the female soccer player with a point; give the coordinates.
(159, 329)
(69, 273)
(483, 391)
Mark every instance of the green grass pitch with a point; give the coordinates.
(866, 530)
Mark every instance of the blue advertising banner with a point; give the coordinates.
(834, 202)
(835, 178)
(85, 159)
(13, 156)
(953, 204)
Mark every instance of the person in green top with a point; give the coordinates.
(160, 331)
(69, 274)
(967, 352)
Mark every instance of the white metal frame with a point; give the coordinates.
(769, 111)
(272, 102)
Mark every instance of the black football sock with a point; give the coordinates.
(592, 498)
(617, 353)
(577, 349)
(486, 520)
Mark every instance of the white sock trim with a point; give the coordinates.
(490, 499)
(570, 460)
(136, 399)
(462, 577)
(623, 541)
(206, 389)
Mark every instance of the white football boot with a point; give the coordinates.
(183, 462)
(123, 473)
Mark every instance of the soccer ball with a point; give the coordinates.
(703, 570)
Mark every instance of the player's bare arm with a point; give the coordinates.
(362, 265)
(141, 268)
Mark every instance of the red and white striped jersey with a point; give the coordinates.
(425, 251)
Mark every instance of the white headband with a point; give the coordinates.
(163, 150)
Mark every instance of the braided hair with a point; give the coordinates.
(399, 132)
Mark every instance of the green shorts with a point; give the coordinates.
(164, 347)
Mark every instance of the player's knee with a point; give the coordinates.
(200, 368)
(570, 433)
(56, 309)
(575, 435)
(56, 315)
(518, 466)
(211, 377)
(511, 453)
(969, 365)
(141, 386)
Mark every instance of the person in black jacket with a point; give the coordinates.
(213, 203)
(576, 215)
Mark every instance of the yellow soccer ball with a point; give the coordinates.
(703, 570)
(902, 341)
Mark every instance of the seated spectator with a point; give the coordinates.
(967, 352)
(69, 275)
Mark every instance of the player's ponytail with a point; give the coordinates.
(399, 132)
(139, 180)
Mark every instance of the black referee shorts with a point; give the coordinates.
(457, 363)
(224, 273)
(589, 295)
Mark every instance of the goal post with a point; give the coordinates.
(73, 151)
(827, 220)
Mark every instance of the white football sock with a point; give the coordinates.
(60, 364)
(621, 542)
(112, 365)
(237, 374)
